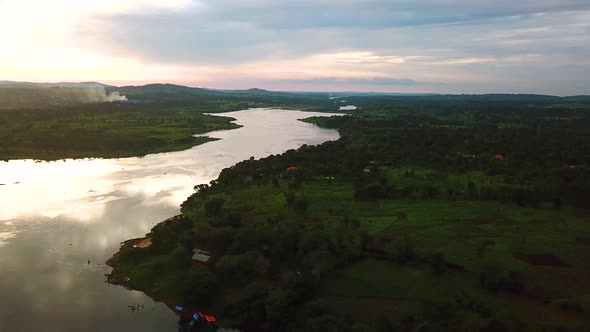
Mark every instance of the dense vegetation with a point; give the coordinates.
(429, 214)
(103, 131)
(156, 118)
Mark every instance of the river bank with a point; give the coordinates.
(64, 213)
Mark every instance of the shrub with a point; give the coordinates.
(402, 251)
(200, 286)
(243, 266)
(494, 277)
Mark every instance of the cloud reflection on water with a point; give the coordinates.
(63, 214)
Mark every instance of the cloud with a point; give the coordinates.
(471, 45)
(227, 31)
(379, 81)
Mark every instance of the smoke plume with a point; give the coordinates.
(39, 95)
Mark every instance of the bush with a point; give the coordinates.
(180, 257)
(243, 266)
(493, 277)
(429, 192)
(278, 306)
(403, 251)
(251, 305)
(371, 191)
(200, 287)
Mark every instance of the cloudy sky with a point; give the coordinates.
(455, 46)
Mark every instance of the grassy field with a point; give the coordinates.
(424, 216)
(377, 290)
(471, 236)
(103, 131)
(50, 124)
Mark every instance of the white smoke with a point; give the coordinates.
(16, 95)
(98, 94)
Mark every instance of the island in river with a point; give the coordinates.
(430, 213)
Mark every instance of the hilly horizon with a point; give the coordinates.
(177, 88)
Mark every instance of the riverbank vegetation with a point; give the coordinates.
(103, 131)
(425, 216)
(152, 118)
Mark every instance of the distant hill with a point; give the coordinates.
(158, 88)
(582, 99)
(25, 95)
(259, 92)
(203, 98)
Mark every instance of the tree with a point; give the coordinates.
(163, 239)
(214, 207)
(199, 287)
(429, 191)
(180, 257)
(402, 251)
(278, 306)
(243, 266)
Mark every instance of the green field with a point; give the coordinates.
(103, 131)
(425, 216)
(474, 238)
(49, 124)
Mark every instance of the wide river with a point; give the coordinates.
(60, 221)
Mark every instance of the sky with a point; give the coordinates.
(446, 46)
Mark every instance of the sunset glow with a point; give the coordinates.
(405, 46)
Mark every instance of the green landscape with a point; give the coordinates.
(155, 118)
(295, 166)
(430, 213)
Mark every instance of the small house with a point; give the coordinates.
(291, 168)
(499, 157)
(201, 256)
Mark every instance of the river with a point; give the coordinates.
(60, 221)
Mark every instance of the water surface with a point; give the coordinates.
(60, 221)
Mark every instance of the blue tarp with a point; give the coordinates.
(179, 308)
(196, 316)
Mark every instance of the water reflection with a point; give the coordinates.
(60, 221)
